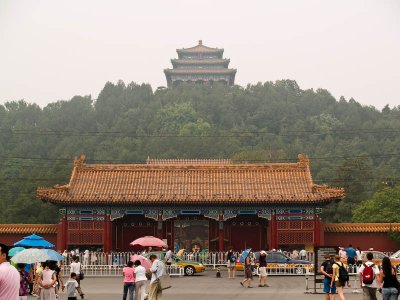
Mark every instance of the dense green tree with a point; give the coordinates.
(350, 145)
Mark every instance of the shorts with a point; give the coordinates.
(327, 286)
(262, 271)
(340, 284)
(248, 273)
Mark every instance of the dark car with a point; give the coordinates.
(280, 261)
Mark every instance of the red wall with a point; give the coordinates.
(10, 239)
(377, 241)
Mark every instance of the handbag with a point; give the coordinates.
(81, 275)
(165, 281)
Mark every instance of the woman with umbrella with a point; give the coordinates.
(248, 273)
(141, 280)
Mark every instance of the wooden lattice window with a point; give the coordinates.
(282, 225)
(295, 238)
(86, 225)
(295, 225)
(308, 224)
(98, 225)
(73, 224)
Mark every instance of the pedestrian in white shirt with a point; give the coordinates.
(9, 277)
(157, 269)
(76, 268)
(141, 279)
(369, 273)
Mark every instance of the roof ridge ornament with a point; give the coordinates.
(303, 160)
(79, 161)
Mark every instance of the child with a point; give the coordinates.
(71, 286)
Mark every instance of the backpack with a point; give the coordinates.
(329, 269)
(368, 274)
(232, 259)
(343, 274)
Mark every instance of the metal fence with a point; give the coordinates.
(208, 259)
(113, 270)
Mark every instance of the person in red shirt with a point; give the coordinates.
(129, 280)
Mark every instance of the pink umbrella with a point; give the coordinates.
(143, 260)
(149, 241)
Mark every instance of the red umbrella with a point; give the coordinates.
(143, 260)
(149, 241)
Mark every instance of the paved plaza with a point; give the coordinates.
(206, 286)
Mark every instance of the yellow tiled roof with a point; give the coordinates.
(191, 183)
(28, 228)
(362, 227)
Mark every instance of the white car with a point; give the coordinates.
(395, 255)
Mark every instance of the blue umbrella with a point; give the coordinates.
(34, 241)
(245, 253)
(15, 250)
(54, 255)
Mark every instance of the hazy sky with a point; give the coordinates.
(52, 50)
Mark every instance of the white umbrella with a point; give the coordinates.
(30, 256)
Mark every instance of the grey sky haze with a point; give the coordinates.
(52, 50)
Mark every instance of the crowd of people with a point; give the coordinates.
(136, 276)
(373, 278)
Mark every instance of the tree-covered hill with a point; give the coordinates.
(350, 145)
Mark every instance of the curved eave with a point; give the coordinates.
(199, 71)
(199, 49)
(176, 62)
(361, 227)
(64, 199)
(28, 228)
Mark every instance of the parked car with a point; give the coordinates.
(395, 255)
(282, 261)
(190, 267)
(378, 256)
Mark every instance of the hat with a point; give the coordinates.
(262, 252)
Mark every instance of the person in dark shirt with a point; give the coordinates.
(327, 271)
(351, 255)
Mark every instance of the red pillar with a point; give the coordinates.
(221, 235)
(62, 232)
(318, 231)
(160, 229)
(274, 242)
(107, 242)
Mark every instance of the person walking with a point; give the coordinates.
(359, 256)
(140, 280)
(248, 273)
(369, 273)
(351, 255)
(231, 263)
(342, 255)
(157, 269)
(303, 254)
(262, 269)
(72, 286)
(336, 281)
(168, 257)
(75, 267)
(388, 280)
(327, 271)
(24, 282)
(47, 282)
(9, 276)
(86, 257)
(129, 280)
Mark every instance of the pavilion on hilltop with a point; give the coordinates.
(200, 64)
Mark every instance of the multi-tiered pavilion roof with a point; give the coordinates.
(200, 64)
